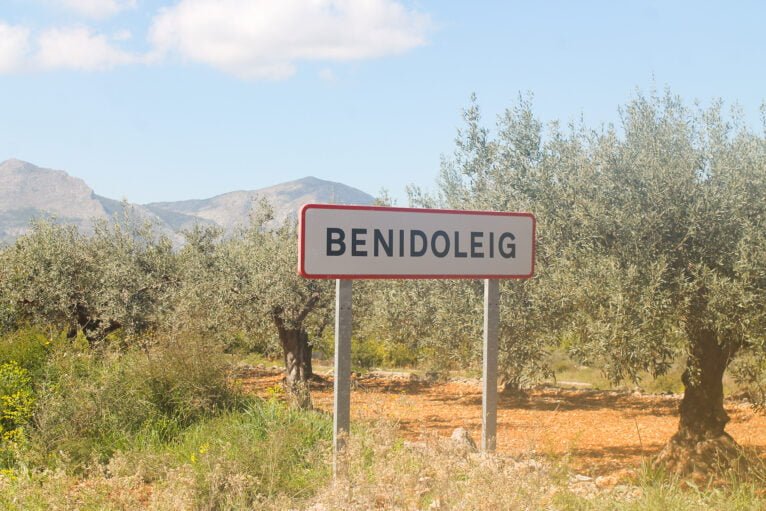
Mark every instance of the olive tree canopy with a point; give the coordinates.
(651, 242)
(117, 278)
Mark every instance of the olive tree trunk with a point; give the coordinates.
(298, 371)
(94, 330)
(701, 446)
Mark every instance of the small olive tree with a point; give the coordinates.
(203, 302)
(261, 265)
(499, 174)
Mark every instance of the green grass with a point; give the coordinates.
(239, 458)
(254, 359)
(103, 425)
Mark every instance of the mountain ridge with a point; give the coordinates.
(28, 192)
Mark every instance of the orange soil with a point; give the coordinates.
(598, 431)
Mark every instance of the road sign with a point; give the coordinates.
(366, 242)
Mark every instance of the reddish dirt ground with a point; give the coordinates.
(599, 432)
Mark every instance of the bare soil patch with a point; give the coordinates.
(598, 432)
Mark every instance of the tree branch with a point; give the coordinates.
(307, 307)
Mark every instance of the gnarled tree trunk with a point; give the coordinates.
(297, 352)
(701, 446)
(298, 370)
(95, 330)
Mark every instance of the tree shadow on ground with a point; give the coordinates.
(545, 399)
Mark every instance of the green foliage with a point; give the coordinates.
(16, 399)
(415, 318)
(662, 219)
(17, 402)
(277, 449)
(118, 277)
(95, 405)
(202, 299)
(749, 371)
(647, 232)
(8, 313)
(373, 352)
(29, 348)
(260, 268)
(239, 458)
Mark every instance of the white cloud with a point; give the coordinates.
(14, 47)
(78, 48)
(74, 48)
(253, 39)
(97, 9)
(267, 38)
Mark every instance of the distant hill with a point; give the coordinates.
(231, 210)
(28, 192)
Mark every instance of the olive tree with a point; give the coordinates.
(269, 294)
(668, 220)
(651, 243)
(203, 302)
(503, 174)
(136, 278)
(117, 278)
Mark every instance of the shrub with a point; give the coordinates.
(16, 404)
(240, 458)
(29, 348)
(184, 380)
(373, 352)
(96, 404)
(7, 316)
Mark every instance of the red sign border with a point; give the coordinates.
(302, 236)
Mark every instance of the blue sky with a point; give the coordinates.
(164, 100)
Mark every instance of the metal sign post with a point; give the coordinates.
(342, 386)
(489, 377)
(367, 242)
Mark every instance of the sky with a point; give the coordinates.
(154, 100)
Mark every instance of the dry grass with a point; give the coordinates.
(385, 472)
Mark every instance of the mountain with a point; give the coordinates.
(231, 210)
(28, 192)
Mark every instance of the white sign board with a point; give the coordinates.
(352, 242)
